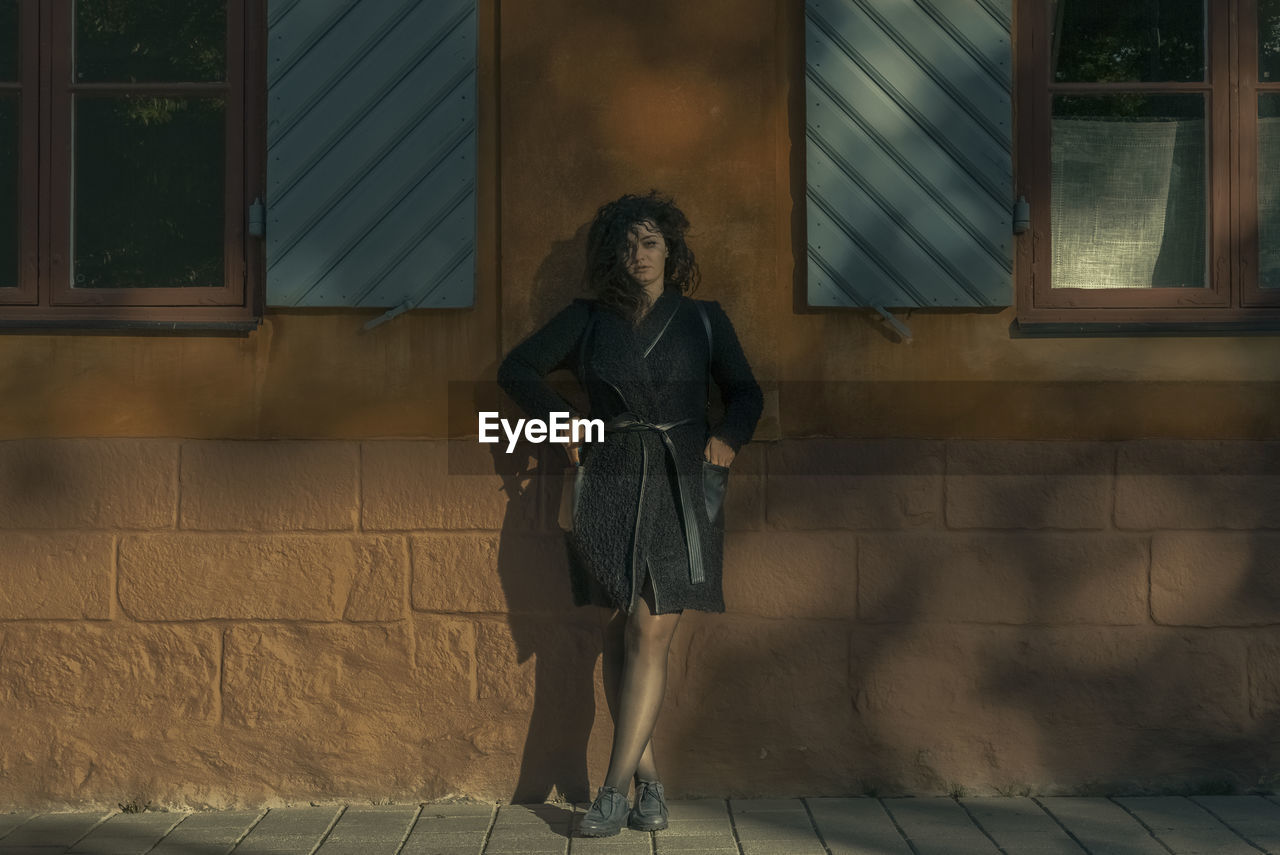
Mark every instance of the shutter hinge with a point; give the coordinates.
(1021, 215)
(257, 218)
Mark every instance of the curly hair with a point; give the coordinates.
(608, 245)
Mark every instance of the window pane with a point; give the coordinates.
(1104, 41)
(1269, 191)
(9, 40)
(9, 202)
(1129, 192)
(148, 195)
(1269, 40)
(150, 40)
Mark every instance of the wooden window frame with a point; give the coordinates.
(44, 298)
(1233, 299)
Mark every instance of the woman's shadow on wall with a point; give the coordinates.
(563, 640)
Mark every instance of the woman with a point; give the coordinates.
(642, 541)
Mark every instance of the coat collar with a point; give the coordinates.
(654, 324)
(619, 347)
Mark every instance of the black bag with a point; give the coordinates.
(715, 479)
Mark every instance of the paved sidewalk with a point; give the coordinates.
(1202, 825)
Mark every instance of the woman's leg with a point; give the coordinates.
(646, 641)
(612, 666)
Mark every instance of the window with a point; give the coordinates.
(129, 155)
(1149, 149)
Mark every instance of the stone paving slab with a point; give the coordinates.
(1254, 818)
(697, 809)
(453, 829)
(1185, 827)
(700, 827)
(663, 848)
(939, 826)
(214, 833)
(52, 830)
(634, 843)
(667, 841)
(533, 829)
(452, 824)
(446, 840)
(775, 826)
(528, 831)
(367, 836)
(1022, 826)
(291, 825)
(369, 831)
(242, 820)
(1102, 826)
(535, 845)
(296, 831)
(127, 834)
(533, 815)
(1205, 825)
(782, 847)
(857, 827)
(10, 821)
(443, 850)
(745, 806)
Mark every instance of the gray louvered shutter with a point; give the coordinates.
(371, 153)
(908, 152)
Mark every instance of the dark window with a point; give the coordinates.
(1149, 149)
(130, 151)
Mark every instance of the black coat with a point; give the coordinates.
(630, 506)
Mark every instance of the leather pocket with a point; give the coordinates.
(715, 481)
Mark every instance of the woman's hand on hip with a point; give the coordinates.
(571, 448)
(718, 452)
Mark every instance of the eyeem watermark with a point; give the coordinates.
(562, 428)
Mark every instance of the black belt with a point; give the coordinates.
(629, 422)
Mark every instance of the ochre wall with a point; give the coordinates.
(211, 622)
(582, 101)
(247, 570)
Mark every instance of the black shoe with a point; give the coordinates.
(650, 812)
(606, 815)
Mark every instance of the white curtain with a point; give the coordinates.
(1129, 203)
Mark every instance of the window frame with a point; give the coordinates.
(1232, 298)
(28, 159)
(42, 300)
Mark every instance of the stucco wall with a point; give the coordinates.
(190, 619)
(219, 623)
(582, 101)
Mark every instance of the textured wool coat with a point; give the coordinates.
(629, 518)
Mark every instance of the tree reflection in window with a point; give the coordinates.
(10, 105)
(1128, 41)
(149, 203)
(9, 204)
(137, 41)
(149, 167)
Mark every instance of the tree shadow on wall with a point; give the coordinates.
(1184, 700)
(1013, 650)
(1067, 688)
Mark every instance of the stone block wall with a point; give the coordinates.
(217, 623)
